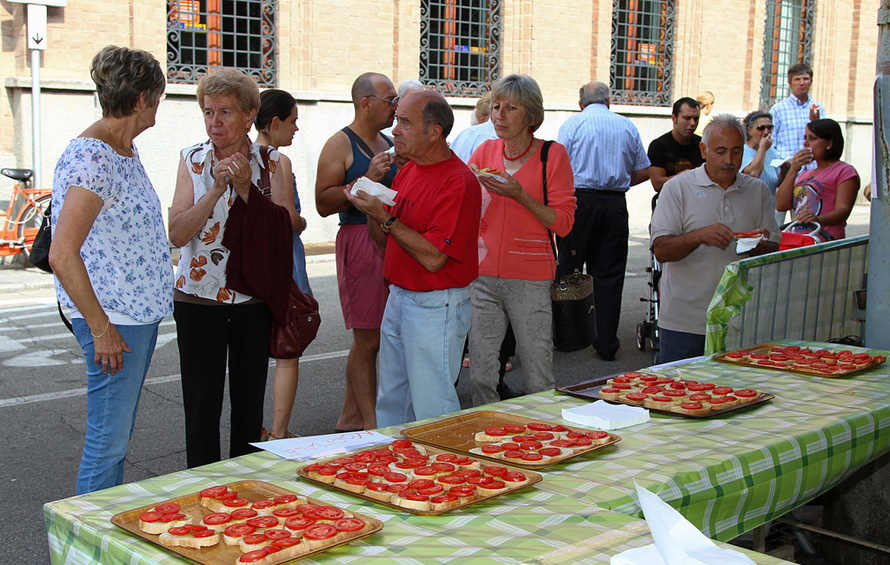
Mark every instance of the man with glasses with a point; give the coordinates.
(359, 150)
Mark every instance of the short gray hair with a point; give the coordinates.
(594, 92)
(723, 121)
(525, 91)
(408, 86)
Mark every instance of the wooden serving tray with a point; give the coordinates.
(533, 478)
(764, 397)
(457, 434)
(767, 347)
(222, 553)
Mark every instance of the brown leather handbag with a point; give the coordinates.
(301, 326)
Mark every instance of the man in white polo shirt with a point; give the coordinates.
(693, 234)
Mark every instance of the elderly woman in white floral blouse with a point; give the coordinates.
(110, 256)
(214, 323)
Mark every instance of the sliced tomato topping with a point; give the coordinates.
(513, 477)
(253, 556)
(213, 492)
(661, 398)
(637, 396)
(582, 442)
(562, 443)
(539, 426)
(532, 457)
(420, 483)
(530, 445)
(320, 531)
(329, 513)
(402, 443)
(397, 488)
(276, 534)
(150, 516)
(395, 477)
(228, 495)
(202, 533)
(653, 389)
(675, 393)
(217, 518)
(468, 472)
(173, 517)
(596, 434)
(495, 431)
(691, 405)
(463, 490)
(722, 390)
(286, 542)
(431, 490)
(461, 461)
(285, 513)
(447, 497)
(265, 503)
(746, 393)
(349, 524)
(444, 467)
(263, 521)
(239, 530)
(425, 471)
(700, 397)
(550, 451)
(376, 486)
(235, 502)
(514, 428)
(299, 522)
(252, 539)
(446, 457)
(451, 479)
(244, 514)
(168, 508)
(513, 454)
(510, 445)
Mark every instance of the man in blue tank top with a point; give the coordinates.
(355, 151)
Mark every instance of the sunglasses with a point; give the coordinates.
(765, 127)
(391, 101)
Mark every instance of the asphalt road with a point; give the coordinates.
(43, 395)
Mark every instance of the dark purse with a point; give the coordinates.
(301, 326)
(39, 254)
(574, 318)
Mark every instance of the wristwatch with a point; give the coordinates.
(385, 226)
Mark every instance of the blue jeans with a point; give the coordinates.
(421, 347)
(111, 405)
(679, 345)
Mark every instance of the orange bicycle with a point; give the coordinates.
(24, 213)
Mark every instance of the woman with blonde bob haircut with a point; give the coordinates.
(215, 323)
(516, 263)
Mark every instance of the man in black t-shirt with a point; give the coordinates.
(677, 150)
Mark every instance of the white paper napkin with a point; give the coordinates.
(375, 189)
(746, 244)
(677, 541)
(605, 416)
(498, 178)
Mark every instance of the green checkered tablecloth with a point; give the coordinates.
(727, 475)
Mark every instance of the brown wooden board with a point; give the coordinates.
(222, 553)
(764, 397)
(533, 478)
(458, 434)
(767, 347)
(588, 389)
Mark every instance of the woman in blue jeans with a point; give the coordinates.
(110, 256)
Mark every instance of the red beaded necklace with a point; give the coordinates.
(527, 149)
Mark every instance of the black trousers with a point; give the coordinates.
(599, 236)
(208, 336)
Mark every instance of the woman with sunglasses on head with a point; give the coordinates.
(760, 154)
(826, 194)
(276, 124)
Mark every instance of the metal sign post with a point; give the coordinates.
(37, 43)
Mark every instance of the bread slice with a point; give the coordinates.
(190, 535)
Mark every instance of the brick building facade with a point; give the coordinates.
(652, 51)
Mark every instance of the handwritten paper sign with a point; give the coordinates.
(316, 447)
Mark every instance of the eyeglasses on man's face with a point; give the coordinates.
(765, 127)
(391, 101)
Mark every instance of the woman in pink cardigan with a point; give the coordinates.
(516, 264)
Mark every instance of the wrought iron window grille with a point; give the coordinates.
(787, 39)
(207, 34)
(460, 44)
(641, 70)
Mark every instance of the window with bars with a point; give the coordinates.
(642, 52)
(787, 40)
(460, 45)
(206, 34)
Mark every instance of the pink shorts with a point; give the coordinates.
(363, 291)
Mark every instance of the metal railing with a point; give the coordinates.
(802, 294)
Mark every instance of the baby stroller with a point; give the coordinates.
(647, 330)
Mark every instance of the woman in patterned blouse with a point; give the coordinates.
(216, 325)
(110, 256)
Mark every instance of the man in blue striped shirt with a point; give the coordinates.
(607, 159)
(791, 115)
